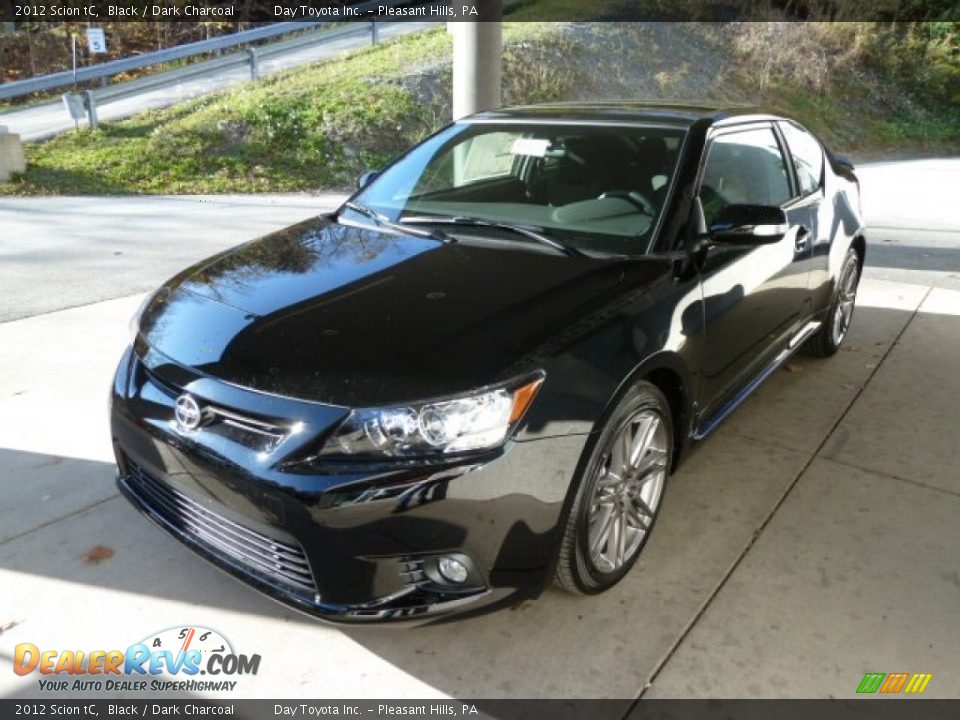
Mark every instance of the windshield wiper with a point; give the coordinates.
(479, 222)
(386, 222)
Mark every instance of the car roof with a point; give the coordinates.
(629, 111)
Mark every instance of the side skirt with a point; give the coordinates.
(795, 342)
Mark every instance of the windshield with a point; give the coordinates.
(597, 188)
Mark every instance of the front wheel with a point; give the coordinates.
(619, 494)
(834, 329)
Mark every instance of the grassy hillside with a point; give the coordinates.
(865, 88)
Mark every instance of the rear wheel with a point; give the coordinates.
(619, 495)
(834, 329)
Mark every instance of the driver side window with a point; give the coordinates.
(744, 167)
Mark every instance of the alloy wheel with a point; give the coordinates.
(843, 313)
(628, 490)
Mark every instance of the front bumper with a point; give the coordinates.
(356, 544)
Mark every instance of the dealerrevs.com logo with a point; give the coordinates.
(180, 659)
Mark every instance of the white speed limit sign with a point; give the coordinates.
(96, 41)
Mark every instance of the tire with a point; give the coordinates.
(609, 504)
(835, 328)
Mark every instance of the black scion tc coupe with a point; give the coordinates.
(477, 375)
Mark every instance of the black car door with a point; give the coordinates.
(807, 156)
(754, 297)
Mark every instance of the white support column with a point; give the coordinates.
(477, 67)
(12, 159)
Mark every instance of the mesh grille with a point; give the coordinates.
(281, 562)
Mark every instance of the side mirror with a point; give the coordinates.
(844, 162)
(748, 225)
(367, 178)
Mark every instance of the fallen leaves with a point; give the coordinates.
(98, 554)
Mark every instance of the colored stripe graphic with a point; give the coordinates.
(913, 683)
(894, 683)
(918, 682)
(871, 682)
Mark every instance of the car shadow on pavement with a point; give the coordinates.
(559, 645)
(64, 520)
(716, 506)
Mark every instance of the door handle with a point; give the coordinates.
(802, 238)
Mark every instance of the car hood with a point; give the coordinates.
(354, 316)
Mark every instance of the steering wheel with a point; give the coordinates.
(635, 198)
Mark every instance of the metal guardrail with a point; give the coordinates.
(114, 67)
(158, 57)
(81, 105)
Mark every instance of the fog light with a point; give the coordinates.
(452, 569)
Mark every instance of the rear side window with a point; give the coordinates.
(807, 157)
(744, 167)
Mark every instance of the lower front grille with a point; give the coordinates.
(280, 562)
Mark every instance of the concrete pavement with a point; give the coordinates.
(858, 569)
(810, 540)
(45, 120)
(783, 565)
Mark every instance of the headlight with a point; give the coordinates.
(478, 421)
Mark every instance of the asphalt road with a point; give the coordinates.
(43, 121)
(62, 252)
(913, 221)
